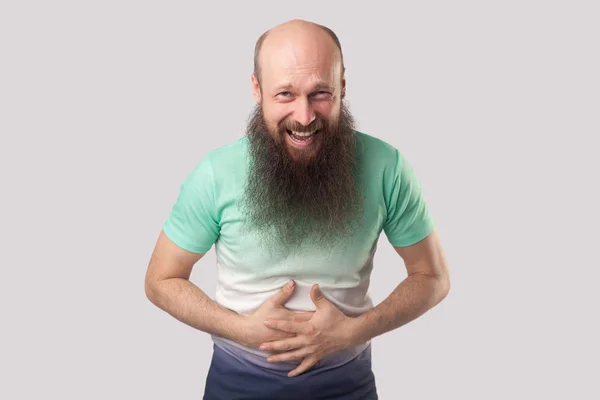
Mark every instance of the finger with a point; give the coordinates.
(279, 298)
(317, 296)
(288, 326)
(304, 366)
(280, 335)
(295, 355)
(303, 317)
(285, 344)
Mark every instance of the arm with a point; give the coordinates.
(427, 284)
(168, 287)
(330, 331)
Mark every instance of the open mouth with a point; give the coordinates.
(302, 137)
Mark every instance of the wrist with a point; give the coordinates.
(239, 329)
(356, 329)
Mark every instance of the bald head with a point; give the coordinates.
(303, 36)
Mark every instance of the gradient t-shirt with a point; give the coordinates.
(207, 212)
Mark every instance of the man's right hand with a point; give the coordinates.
(255, 332)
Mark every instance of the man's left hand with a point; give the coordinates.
(328, 331)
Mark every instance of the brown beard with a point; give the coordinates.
(314, 198)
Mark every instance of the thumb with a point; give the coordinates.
(317, 296)
(283, 294)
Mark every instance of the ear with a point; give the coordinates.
(256, 89)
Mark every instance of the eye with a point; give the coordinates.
(284, 94)
(322, 94)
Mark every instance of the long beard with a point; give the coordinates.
(313, 198)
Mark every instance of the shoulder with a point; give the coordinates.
(220, 161)
(229, 154)
(376, 152)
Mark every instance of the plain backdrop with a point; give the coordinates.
(106, 106)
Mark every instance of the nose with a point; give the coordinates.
(303, 113)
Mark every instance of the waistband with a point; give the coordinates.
(259, 357)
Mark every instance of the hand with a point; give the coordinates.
(255, 330)
(326, 332)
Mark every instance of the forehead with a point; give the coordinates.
(300, 61)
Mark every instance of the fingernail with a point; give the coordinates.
(289, 284)
(263, 347)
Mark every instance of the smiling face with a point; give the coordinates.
(300, 87)
(302, 184)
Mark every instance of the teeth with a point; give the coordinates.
(303, 134)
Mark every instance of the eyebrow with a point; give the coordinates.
(318, 86)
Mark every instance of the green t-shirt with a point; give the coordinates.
(207, 212)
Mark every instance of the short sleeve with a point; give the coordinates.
(408, 219)
(192, 223)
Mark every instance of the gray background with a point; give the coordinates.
(106, 106)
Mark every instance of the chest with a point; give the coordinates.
(245, 254)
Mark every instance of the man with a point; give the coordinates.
(301, 199)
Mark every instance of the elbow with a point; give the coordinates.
(444, 286)
(152, 291)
